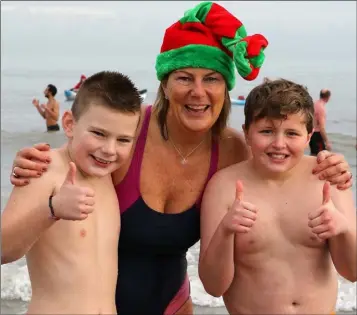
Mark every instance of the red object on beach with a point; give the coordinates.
(241, 97)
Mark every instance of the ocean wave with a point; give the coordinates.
(15, 283)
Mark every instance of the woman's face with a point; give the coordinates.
(196, 97)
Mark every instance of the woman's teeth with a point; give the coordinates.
(197, 108)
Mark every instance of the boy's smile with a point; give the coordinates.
(101, 139)
(277, 145)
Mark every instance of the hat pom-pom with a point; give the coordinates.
(249, 55)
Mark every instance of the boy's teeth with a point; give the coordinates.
(278, 156)
(101, 161)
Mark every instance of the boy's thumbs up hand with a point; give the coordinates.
(327, 221)
(73, 202)
(242, 215)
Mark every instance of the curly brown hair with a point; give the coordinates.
(276, 99)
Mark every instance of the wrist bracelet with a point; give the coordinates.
(52, 216)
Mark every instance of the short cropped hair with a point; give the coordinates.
(51, 88)
(111, 89)
(276, 99)
(325, 94)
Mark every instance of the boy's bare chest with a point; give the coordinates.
(101, 227)
(282, 221)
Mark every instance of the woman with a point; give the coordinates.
(183, 140)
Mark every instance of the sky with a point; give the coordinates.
(70, 33)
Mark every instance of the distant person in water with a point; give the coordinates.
(319, 140)
(78, 85)
(49, 111)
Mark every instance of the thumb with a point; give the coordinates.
(326, 193)
(71, 175)
(239, 190)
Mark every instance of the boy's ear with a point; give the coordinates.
(309, 135)
(245, 134)
(68, 123)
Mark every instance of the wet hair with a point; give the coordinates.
(52, 89)
(276, 99)
(325, 94)
(111, 89)
(161, 107)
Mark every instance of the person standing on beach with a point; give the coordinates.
(264, 248)
(49, 111)
(319, 140)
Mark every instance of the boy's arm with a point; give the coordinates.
(343, 247)
(216, 265)
(25, 217)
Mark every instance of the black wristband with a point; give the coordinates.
(53, 216)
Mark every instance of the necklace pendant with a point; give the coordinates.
(183, 161)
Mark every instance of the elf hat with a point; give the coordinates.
(208, 36)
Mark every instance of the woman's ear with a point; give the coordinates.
(68, 123)
(165, 88)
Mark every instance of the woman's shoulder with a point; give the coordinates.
(233, 148)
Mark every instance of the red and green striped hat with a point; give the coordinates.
(208, 36)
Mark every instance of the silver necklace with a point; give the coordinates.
(184, 158)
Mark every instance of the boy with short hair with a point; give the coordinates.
(272, 234)
(73, 262)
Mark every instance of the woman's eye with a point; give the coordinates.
(211, 79)
(185, 79)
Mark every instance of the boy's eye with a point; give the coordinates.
(98, 133)
(266, 131)
(124, 140)
(292, 133)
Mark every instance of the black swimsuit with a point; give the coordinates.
(152, 246)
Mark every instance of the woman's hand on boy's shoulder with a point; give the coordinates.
(334, 168)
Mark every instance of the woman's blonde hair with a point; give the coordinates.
(161, 107)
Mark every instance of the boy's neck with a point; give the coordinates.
(277, 178)
(69, 156)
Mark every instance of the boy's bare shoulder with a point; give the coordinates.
(56, 170)
(233, 148)
(307, 164)
(231, 173)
